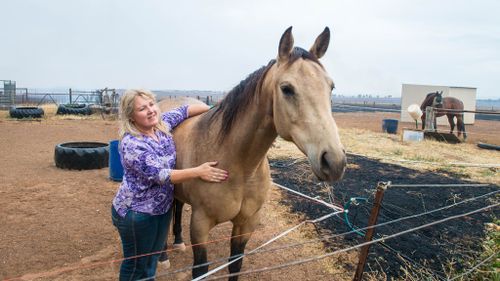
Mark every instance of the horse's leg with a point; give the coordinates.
(461, 125)
(452, 123)
(177, 225)
(200, 226)
(239, 238)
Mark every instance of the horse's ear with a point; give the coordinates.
(286, 45)
(321, 44)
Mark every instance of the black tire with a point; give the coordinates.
(81, 155)
(26, 112)
(74, 109)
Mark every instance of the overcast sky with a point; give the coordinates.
(211, 45)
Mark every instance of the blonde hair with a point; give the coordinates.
(127, 109)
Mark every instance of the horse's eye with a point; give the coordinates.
(287, 90)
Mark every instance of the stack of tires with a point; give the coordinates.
(74, 109)
(26, 112)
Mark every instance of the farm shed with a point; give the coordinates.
(415, 94)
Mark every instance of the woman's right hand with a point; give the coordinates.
(209, 173)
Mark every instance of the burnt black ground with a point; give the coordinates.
(427, 250)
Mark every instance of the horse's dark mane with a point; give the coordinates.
(238, 99)
(430, 94)
(428, 100)
(299, 53)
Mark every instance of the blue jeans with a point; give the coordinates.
(141, 234)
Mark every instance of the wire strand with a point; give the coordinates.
(297, 262)
(442, 185)
(309, 197)
(458, 164)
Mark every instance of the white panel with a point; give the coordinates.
(468, 97)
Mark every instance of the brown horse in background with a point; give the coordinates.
(455, 105)
(290, 98)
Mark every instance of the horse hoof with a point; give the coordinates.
(181, 247)
(164, 265)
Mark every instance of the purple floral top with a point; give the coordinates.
(147, 165)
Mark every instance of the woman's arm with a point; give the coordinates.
(196, 109)
(206, 172)
(175, 116)
(144, 163)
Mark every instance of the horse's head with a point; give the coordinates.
(438, 99)
(302, 110)
(434, 99)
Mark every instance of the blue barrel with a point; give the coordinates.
(115, 164)
(390, 126)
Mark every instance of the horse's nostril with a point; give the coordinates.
(325, 166)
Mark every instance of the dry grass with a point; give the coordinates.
(427, 155)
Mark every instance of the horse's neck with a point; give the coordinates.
(427, 102)
(253, 133)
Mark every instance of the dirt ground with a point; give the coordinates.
(55, 224)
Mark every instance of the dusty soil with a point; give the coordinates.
(55, 224)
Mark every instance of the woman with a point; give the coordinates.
(142, 206)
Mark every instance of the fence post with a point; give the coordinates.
(70, 97)
(381, 187)
(429, 118)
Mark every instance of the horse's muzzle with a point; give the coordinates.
(332, 166)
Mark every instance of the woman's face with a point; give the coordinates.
(145, 115)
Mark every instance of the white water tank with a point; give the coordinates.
(415, 111)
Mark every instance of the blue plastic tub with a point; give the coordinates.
(115, 164)
(390, 126)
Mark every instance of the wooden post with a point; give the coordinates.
(70, 97)
(429, 118)
(381, 187)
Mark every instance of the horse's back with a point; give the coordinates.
(167, 104)
(452, 103)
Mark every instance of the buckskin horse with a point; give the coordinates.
(453, 108)
(290, 98)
